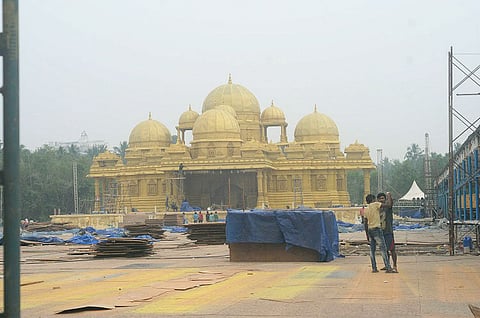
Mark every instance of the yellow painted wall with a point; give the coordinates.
(103, 221)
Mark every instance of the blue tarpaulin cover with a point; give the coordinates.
(311, 229)
(186, 207)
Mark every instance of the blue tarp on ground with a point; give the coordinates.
(85, 239)
(311, 229)
(186, 207)
(42, 239)
(412, 213)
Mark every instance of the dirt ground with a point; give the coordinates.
(183, 279)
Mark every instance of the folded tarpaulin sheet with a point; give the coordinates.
(85, 239)
(311, 229)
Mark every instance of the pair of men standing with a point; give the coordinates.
(378, 222)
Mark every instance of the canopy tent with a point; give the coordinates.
(415, 193)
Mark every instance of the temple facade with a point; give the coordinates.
(230, 162)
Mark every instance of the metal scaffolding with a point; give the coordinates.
(470, 76)
(430, 208)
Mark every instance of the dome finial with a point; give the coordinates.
(315, 109)
(272, 104)
(229, 78)
(189, 106)
(149, 115)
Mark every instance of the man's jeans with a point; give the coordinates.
(376, 237)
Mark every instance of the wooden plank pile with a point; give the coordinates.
(210, 233)
(48, 227)
(123, 247)
(173, 219)
(152, 227)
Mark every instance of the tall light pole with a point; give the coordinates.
(380, 170)
(11, 155)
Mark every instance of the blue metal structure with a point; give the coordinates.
(466, 181)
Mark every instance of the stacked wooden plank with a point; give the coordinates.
(48, 227)
(151, 227)
(123, 247)
(173, 219)
(210, 233)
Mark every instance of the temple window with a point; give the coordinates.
(339, 183)
(164, 187)
(321, 183)
(230, 149)
(152, 187)
(281, 184)
(133, 189)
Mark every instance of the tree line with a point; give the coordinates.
(397, 175)
(46, 178)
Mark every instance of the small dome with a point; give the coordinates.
(316, 127)
(272, 116)
(187, 119)
(356, 147)
(234, 95)
(216, 124)
(357, 151)
(149, 134)
(228, 109)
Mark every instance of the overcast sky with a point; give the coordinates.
(377, 68)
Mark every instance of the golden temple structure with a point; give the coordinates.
(229, 162)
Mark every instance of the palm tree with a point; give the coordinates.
(414, 152)
(121, 150)
(95, 150)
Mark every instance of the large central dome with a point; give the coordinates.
(234, 95)
(216, 124)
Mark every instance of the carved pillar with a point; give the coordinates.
(261, 193)
(97, 195)
(283, 134)
(366, 183)
(265, 188)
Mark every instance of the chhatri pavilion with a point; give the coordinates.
(229, 162)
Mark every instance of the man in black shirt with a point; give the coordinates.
(386, 222)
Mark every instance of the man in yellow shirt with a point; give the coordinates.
(374, 230)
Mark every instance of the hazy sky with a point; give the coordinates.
(377, 68)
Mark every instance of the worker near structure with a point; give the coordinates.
(386, 221)
(375, 233)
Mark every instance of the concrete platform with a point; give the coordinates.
(185, 280)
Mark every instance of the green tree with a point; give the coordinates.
(73, 149)
(355, 186)
(46, 180)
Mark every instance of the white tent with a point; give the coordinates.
(413, 194)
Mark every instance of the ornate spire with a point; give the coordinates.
(190, 107)
(149, 115)
(229, 78)
(315, 108)
(272, 104)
